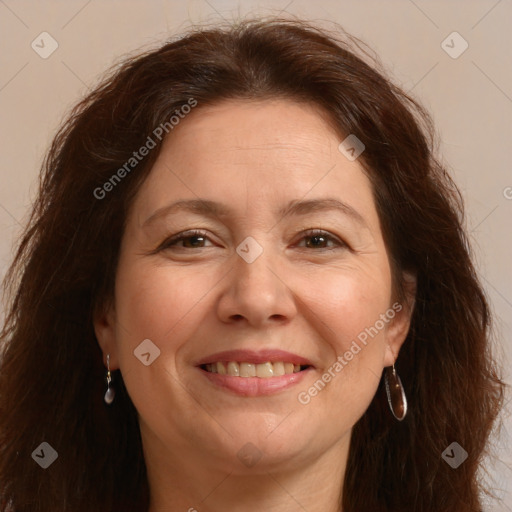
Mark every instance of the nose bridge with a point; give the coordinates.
(253, 266)
(256, 292)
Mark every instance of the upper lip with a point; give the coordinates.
(255, 357)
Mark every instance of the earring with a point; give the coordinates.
(395, 392)
(111, 392)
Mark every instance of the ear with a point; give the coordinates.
(398, 326)
(104, 321)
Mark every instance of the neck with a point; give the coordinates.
(184, 483)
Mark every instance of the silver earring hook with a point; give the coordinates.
(110, 393)
(109, 377)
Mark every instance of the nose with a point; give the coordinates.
(256, 293)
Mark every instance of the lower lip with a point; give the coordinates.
(255, 386)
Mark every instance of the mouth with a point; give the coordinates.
(265, 370)
(254, 373)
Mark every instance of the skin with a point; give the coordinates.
(308, 296)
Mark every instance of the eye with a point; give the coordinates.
(318, 239)
(196, 239)
(191, 239)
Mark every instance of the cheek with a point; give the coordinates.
(348, 307)
(159, 303)
(346, 300)
(164, 305)
(345, 385)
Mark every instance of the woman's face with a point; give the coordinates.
(289, 268)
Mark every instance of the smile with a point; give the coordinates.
(252, 373)
(265, 370)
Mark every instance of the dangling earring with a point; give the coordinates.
(111, 392)
(395, 391)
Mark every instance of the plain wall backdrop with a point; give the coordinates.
(454, 56)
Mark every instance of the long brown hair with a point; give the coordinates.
(52, 375)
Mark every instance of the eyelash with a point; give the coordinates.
(308, 233)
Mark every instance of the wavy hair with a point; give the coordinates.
(52, 375)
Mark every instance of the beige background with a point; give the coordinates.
(470, 98)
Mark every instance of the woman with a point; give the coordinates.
(245, 285)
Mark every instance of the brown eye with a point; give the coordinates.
(318, 239)
(188, 239)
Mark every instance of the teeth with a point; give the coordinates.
(247, 370)
(263, 370)
(278, 369)
(233, 368)
(221, 369)
(288, 368)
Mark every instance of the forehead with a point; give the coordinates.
(252, 118)
(273, 150)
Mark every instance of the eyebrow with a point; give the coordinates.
(210, 208)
